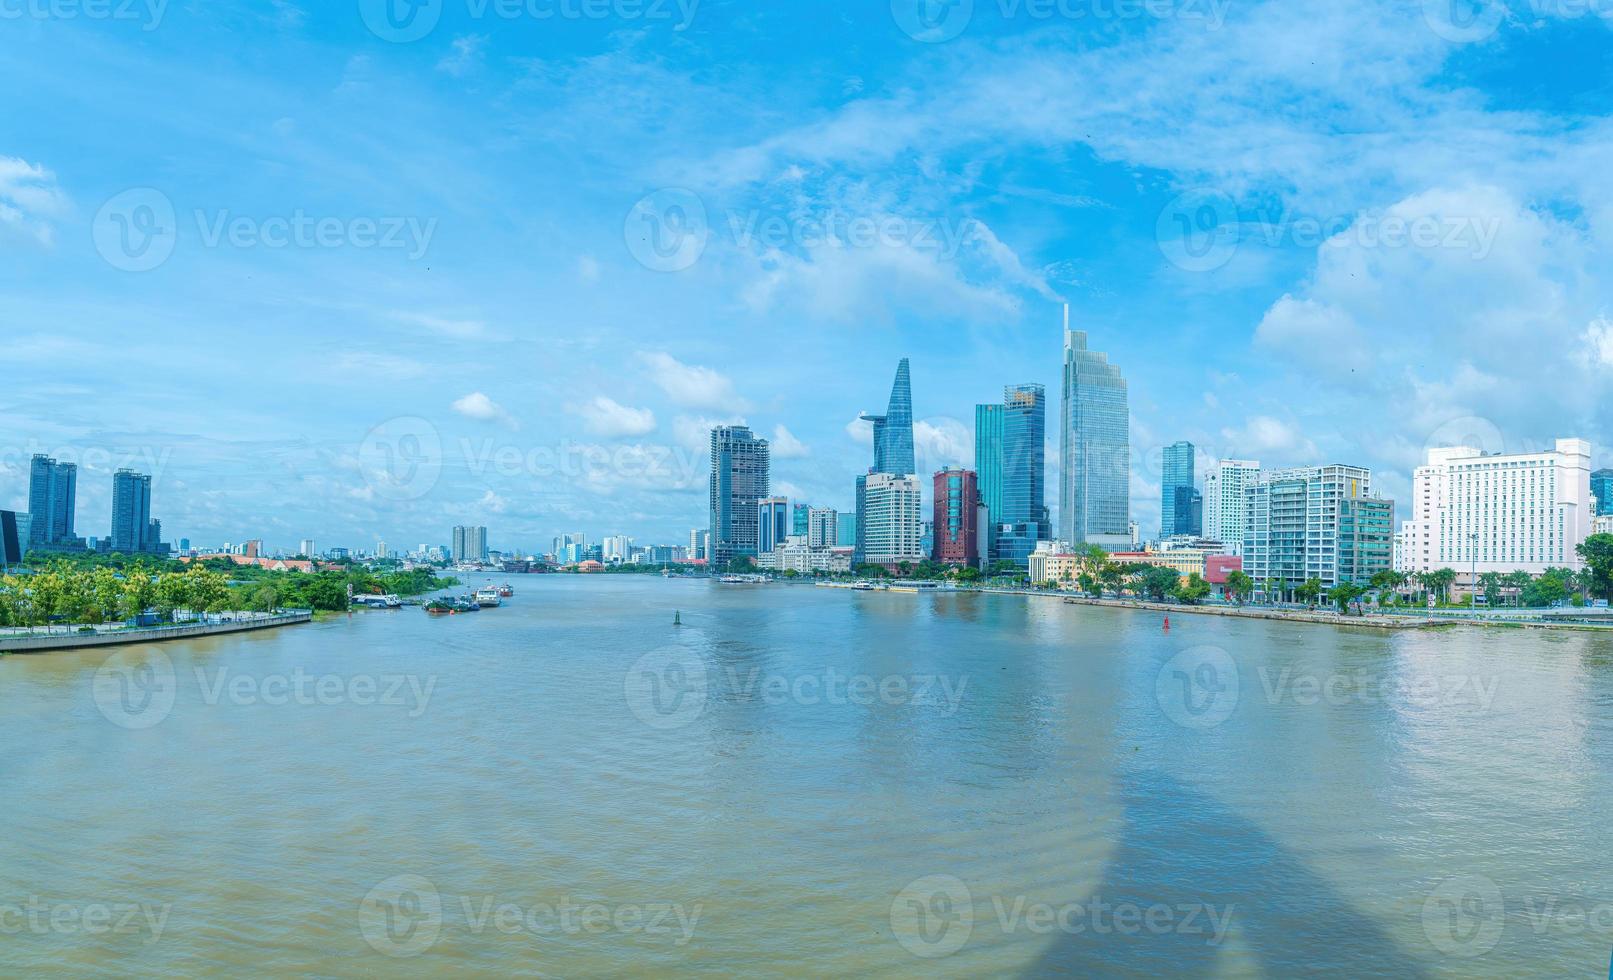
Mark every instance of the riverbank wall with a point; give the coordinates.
(47, 642)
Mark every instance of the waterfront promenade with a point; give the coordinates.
(69, 638)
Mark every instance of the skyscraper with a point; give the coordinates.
(741, 467)
(1223, 500)
(1023, 519)
(1318, 522)
(772, 523)
(131, 512)
(13, 539)
(956, 509)
(1094, 448)
(989, 457)
(823, 527)
(1602, 490)
(52, 501)
(801, 520)
(1175, 475)
(470, 543)
(894, 530)
(893, 431)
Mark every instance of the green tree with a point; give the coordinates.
(1597, 553)
(1310, 592)
(1194, 590)
(1440, 582)
(1345, 593)
(1239, 585)
(1157, 582)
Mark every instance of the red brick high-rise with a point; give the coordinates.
(956, 527)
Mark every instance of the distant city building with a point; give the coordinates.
(380, 549)
(1094, 448)
(1023, 521)
(846, 530)
(1501, 513)
(1602, 490)
(306, 548)
(796, 555)
(617, 548)
(1317, 522)
(956, 509)
(894, 528)
(13, 539)
(469, 543)
(741, 467)
(773, 522)
(1223, 499)
(893, 431)
(1176, 484)
(823, 527)
(52, 503)
(697, 547)
(989, 467)
(133, 529)
(800, 522)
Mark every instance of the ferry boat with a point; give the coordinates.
(505, 591)
(378, 601)
(487, 598)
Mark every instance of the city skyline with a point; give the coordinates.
(1306, 324)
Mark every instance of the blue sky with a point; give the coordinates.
(268, 250)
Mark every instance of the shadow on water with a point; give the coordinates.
(1181, 848)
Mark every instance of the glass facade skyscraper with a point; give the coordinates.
(131, 512)
(740, 476)
(772, 523)
(1602, 490)
(893, 431)
(1175, 477)
(1023, 521)
(52, 501)
(1094, 448)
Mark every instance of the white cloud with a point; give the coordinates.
(1599, 343)
(457, 328)
(1315, 335)
(606, 417)
(690, 385)
(29, 199)
(482, 408)
(939, 442)
(860, 430)
(464, 55)
(587, 269)
(1272, 441)
(694, 432)
(491, 503)
(786, 446)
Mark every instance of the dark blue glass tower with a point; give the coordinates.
(893, 431)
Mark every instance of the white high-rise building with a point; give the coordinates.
(306, 549)
(1223, 500)
(823, 525)
(1499, 513)
(895, 529)
(617, 548)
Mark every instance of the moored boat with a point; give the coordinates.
(487, 598)
(505, 590)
